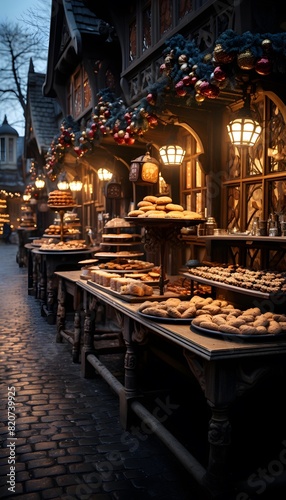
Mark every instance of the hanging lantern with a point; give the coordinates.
(144, 169)
(244, 130)
(76, 184)
(40, 182)
(172, 154)
(63, 184)
(104, 174)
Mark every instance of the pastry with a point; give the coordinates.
(174, 207)
(152, 199)
(163, 200)
(225, 328)
(173, 312)
(209, 325)
(144, 203)
(189, 313)
(155, 311)
(135, 213)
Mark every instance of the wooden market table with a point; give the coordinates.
(225, 370)
(67, 285)
(24, 234)
(48, 262)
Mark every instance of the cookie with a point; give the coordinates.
(209, 325)
(189, 313)
(163, 200)
(152, 199)
(248, 330)
(174, 214)
(135, 213)
(229, 329)
(174, 207)
(173, 312)
(144, 203)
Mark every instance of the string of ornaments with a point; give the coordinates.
(187, 73)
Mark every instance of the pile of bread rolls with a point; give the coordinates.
(218, 316)
(162, 207)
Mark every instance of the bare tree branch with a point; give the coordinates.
(19, 44)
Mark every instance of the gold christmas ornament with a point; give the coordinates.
(246, 60)
(221, 56)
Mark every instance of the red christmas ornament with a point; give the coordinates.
(151, 99)
(219, 74)
(187, 80)
(152, 120)
(128, 139)
(180, 90)
(77, 150)
(263, 66)
(208, 90)
(118, 139)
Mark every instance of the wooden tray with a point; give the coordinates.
(132, 298)
(236, 336)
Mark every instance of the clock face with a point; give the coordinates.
(113, 190)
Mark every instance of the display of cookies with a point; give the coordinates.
(121, 264)
(161, 207)
(64, 245)
(242, 322)
(60, 198)
(264, 281)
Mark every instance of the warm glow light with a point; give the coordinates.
(244, 131)
(40, 182)
(63, 184)
(172, 154)
(76, 184)
(104, 174)
(26, 196)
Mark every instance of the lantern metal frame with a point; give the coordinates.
(172, 154)
(145, 169)
(244, 130)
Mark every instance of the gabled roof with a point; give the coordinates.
(66, 46)
(85, 20)
(42, 112)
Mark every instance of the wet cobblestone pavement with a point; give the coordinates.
(68, 441)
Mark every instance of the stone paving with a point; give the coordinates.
(68, 443)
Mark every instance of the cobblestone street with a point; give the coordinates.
(68, 441)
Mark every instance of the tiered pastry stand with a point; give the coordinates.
(159, 234)
(62, 210)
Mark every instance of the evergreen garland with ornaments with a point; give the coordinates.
(186, 73)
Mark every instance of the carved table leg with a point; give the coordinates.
(61, 311)
(76, 338)
(222, 383)
(133, 334)
(51, 300)
(88, 329)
